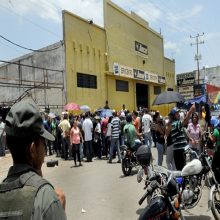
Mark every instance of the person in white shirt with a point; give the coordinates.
(88, 129)
(146, 127)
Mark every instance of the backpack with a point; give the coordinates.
(17, 197)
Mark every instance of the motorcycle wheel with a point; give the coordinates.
(216, 204)
(126, 166)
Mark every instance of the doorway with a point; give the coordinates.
(141, 95)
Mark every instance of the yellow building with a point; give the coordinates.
(123, 62)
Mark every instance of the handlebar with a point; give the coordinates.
(152, 186)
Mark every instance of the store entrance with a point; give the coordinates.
(141, 95)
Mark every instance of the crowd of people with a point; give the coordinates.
(88, 136)
(30, 136)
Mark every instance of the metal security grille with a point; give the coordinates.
(122, 86)
(86, 81)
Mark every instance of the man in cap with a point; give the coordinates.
(178, 136)
(24, 194)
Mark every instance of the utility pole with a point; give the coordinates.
(197, 56)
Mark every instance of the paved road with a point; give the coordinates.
(101, 190)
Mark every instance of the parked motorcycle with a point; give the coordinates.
(163, 197)
(191, 179)
(129, 159)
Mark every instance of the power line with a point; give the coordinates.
(19, 51)
(30, 21)
(33, 50)
(36, 67)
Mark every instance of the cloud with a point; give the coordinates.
(172, 46)
(180, 21)
(51, 10)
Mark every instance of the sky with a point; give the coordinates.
(38, 23)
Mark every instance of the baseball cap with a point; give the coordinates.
(174, 111)
(24, 120)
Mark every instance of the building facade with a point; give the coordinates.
(123, 62)
(39, 75)
(188, 85)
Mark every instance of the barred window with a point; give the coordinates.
(122, 86)
(157, 90)
(86, 81)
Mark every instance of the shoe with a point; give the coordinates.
(109, 161)
(118, 161)
(80, 164)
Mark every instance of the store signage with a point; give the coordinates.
(116, 68)
(199, 90)
(186, 91)
(126, 71)
(139, 74)
(161, 79)
(141, 49)
(185, 79)
(151, 77)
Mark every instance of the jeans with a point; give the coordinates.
(88, 145)
(81, 151)
(170, 159)
(65, 146)
(148, 139)
(179, 158)
(114, 143)
(75, 152)
(160, 150)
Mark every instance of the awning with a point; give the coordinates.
(197, 99)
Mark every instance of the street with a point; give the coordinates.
(99, 190)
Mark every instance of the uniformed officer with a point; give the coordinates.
(24, 194)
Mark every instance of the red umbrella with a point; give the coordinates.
(71, 107)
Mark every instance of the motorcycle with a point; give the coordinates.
(163, 196)
(129, 159)
(191, 179)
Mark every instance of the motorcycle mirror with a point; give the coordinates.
(140, 175)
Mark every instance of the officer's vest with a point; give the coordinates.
(17, 197)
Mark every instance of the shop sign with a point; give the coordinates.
(185, 79)
(141, 49)
(139, 74)
(199, 90)
(161, 79)
(116, 68)
(126, 71)
(151, 77)
(186, 91)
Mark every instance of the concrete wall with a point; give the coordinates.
(85, 53)
(15, 79)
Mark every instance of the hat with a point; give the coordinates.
(174, 111)
(24, 120)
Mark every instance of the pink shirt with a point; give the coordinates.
(74, 136)
(194, 133)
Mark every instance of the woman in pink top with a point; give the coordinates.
(194, 133)
(75, 136)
